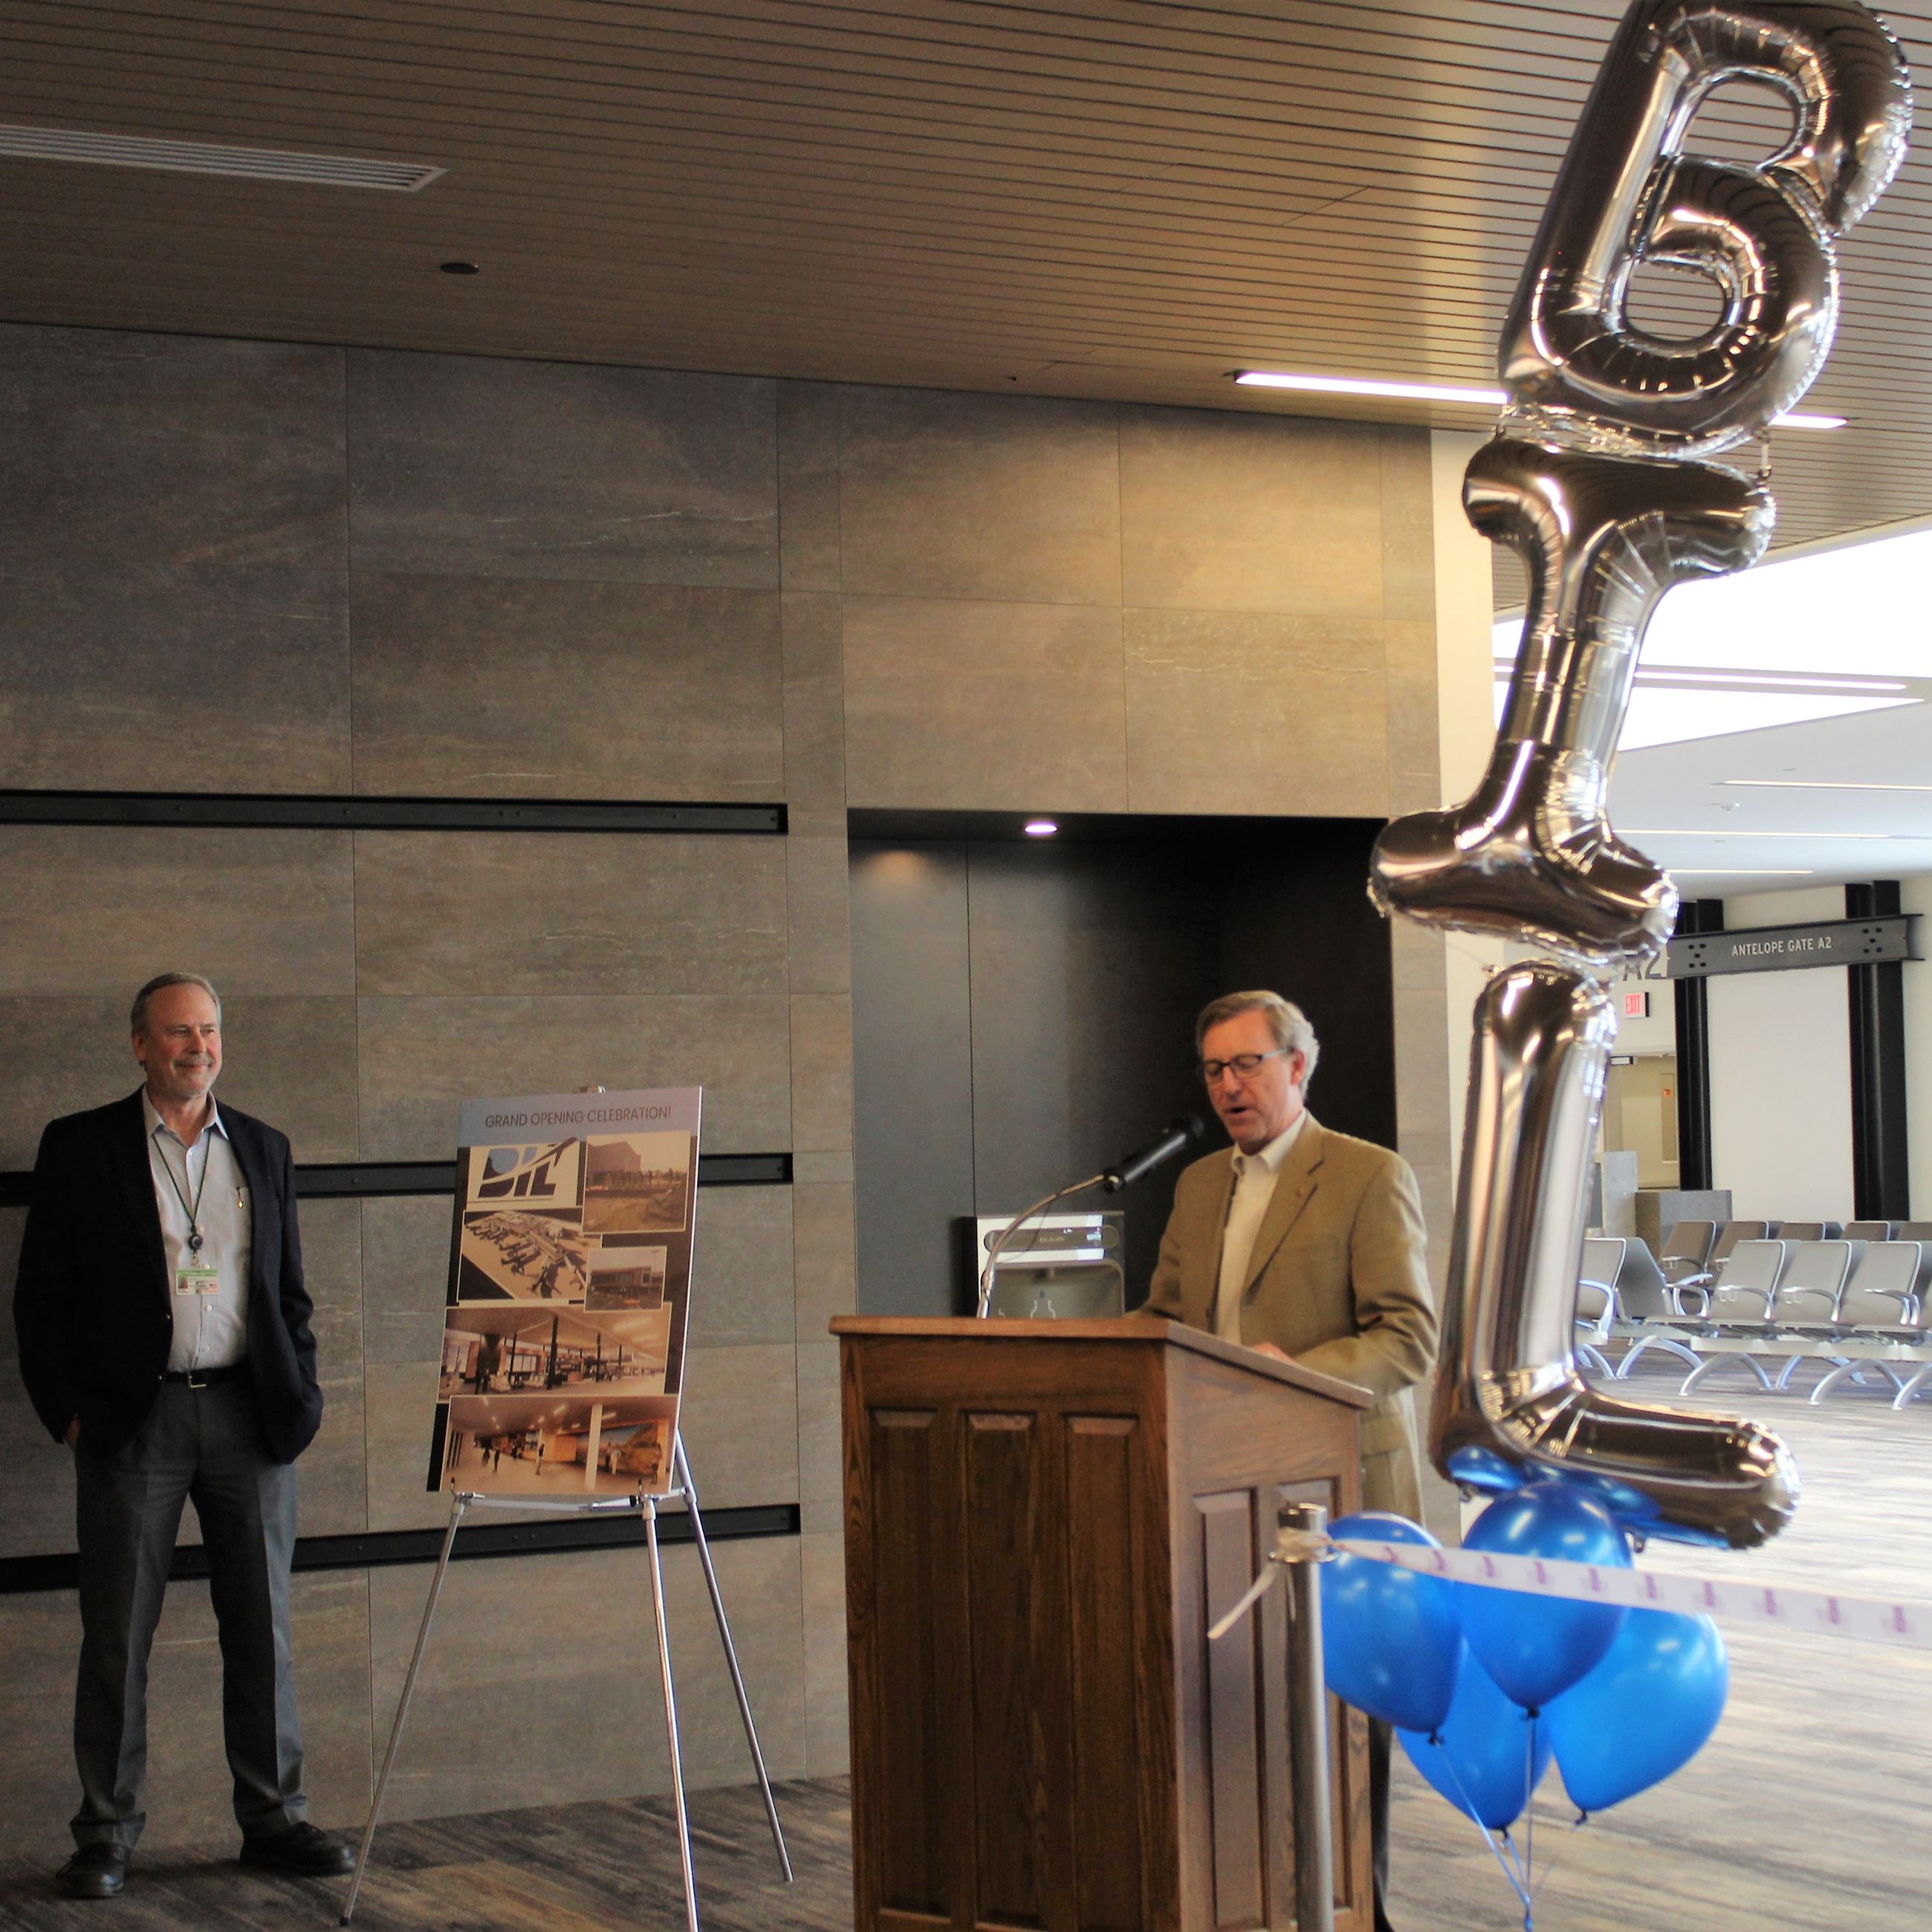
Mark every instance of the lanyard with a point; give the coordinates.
(193, 1213)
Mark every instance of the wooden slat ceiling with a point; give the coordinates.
(1096, 198)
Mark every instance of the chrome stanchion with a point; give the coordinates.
(683, 1465)
(1308, 1718)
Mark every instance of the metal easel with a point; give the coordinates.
(645, 1506)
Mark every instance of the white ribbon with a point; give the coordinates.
(1871, 1618)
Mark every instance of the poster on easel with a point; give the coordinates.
(569, 1294)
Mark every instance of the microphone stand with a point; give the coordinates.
(1006, 1233)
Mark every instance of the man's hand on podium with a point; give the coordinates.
(1269, 1348)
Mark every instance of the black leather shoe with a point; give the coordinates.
(301, 1852)
(95, 1871)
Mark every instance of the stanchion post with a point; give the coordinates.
(1308, 1721)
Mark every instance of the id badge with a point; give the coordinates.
(197, 1279)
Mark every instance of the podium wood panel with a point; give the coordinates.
(1042, 1519)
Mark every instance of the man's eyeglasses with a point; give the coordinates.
(1244, 1066)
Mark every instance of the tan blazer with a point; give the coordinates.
(1338, 1280)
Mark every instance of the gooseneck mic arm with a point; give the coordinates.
(1183, 1133)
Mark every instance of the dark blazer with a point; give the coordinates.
(92, 1308)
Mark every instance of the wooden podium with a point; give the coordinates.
(1042, 1518)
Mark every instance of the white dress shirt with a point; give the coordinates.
(211, 1330)
(1255, 1177)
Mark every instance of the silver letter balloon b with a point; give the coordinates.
(1605, 476)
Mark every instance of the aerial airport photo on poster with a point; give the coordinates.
(568, 1299)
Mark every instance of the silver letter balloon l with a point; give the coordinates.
(1603, 475)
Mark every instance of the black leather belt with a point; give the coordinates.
(205, 1377)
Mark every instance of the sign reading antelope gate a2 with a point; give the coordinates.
(569, 1294)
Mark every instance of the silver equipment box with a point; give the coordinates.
(1063, 1265)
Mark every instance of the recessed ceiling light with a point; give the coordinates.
(209, 158)
(1824, 784)
(1041, 828)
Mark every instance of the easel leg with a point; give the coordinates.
(456, 1508)
(731, 1657)
(670, 1713)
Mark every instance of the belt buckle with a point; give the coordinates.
(197, 1379)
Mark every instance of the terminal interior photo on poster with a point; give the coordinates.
(569, 1287)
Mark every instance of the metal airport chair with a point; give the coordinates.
(1881, 1315)
(1809, 1231)
(1804, 1298)
(1739, 1313)
(1686, 1256)
(1870, 1230)
(1808, 1296)
(1913, 1231)
(1732, 1233)
(1653, 1311)
(1596, 1300)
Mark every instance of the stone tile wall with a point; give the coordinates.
(248, 567)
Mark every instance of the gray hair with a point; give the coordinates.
(1286, 1021)
(137, 1016)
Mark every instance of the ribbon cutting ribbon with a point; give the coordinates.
(1822, 1613)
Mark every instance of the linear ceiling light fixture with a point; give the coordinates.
(1741, 871)
(1473, 394)
(1825, 784)
(208, 157)
(1724, 832)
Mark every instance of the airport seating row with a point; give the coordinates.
(1863, 1305)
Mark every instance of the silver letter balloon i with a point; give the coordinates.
(1607, 474)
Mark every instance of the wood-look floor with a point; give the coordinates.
(1809, 1809)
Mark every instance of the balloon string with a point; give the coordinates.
(1582, 1818)
(1496, 1852)
(1529, 1813)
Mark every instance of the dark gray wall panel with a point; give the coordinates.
(98, 910)
(500, 468)
(127, 452)
(187, 679)
(485, 687)
(453, 913)
(1089, 964)
(912, 1069)
(421, 1057)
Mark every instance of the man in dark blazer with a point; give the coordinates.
(164, 1339)
(1307, 1245)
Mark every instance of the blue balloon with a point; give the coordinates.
(1644, 1712)
(1487, 1756)
(1536, 1647)
(1391, 1643)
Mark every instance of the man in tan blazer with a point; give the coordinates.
(1309, 1246)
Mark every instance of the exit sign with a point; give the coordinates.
(1637, 1006)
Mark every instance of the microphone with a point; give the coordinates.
(1179, 1134)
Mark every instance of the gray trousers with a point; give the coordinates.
(202, 1443)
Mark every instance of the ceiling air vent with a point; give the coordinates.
(204, 157)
